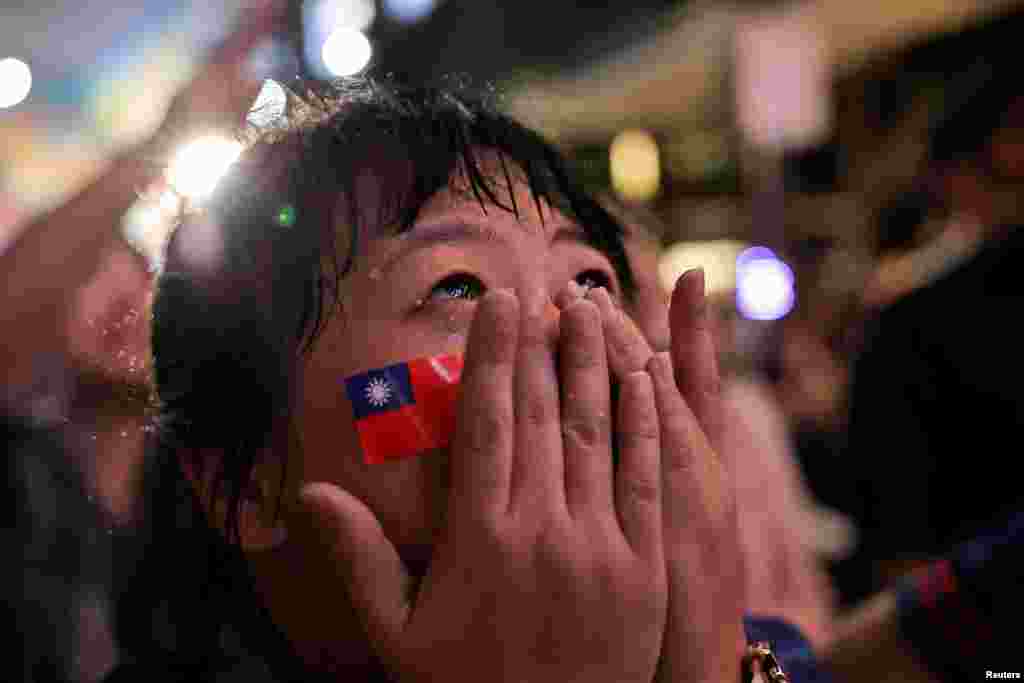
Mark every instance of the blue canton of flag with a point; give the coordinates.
(380, 390)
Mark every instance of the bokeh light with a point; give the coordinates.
(716, 257)
(331, 14)
(409, 11)
(286, 216)
(198, 166)
(148, 223)
(635, 165)
(764, 285)
(334, 36)
(346, 51)
(270, 105)
(15, 82)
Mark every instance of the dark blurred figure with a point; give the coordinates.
(73, 398)
(57, 558)
(936, 389)
(72, 432)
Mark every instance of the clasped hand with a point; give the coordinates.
(553, 564)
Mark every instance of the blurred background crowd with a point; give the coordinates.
(846, 174)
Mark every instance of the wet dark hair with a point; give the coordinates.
(976, 106)
(229, 329)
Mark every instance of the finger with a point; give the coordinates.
(690, 468)
(586, 419)
(569, 295)
(228, 80)
(537, 467)
(638, 487)
(341, 532)
(628, 351)
(693, 352)
(482, 448)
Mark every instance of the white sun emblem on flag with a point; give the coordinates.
(378, 391)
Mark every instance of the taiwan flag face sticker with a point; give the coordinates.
(405, 409)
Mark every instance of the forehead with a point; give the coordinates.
(387, 197)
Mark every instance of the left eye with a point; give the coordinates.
(458, 286)
(589, 279)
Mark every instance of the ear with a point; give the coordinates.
(260, 526)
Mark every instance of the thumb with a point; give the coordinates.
(349, 537)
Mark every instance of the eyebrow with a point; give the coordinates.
(444, 232)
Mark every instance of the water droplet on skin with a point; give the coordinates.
(375, 274)
(419, 303)
(124, 434)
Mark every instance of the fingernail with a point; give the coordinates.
(693, 285)
(693, 280)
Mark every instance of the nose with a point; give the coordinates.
(541, 311)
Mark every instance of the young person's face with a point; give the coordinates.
(413, 295)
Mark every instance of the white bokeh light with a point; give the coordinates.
(198, 166)
(354, 14)
(346, 52)
(269, 106)
(409, 11)
(15, 82)
(764, 285)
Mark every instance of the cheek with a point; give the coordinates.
(406, 496)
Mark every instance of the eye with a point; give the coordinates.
(589, 279)
(457, 286)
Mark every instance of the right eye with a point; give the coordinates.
(457, 286)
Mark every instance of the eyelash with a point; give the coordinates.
(469, 287)
(457, 286)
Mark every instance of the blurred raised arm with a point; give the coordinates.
(57, 252)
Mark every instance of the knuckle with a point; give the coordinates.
(493, 533)
(488, 431)
(553, 546)
(582, 357)
(712, 386)
(643, 430)
(640, 489)
(588, 432)
(677, 461)
(632, 351)
(538, 411)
